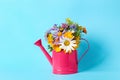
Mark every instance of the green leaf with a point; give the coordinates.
(50, 48)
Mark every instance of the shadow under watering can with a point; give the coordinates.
(63, 63)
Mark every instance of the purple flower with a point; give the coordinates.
(53, 31)
(72, 27)
(54, 27)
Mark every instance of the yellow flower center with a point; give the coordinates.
(67, 43)
(59, 33)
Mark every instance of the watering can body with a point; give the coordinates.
(62, 63)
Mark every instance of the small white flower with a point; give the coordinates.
(67, 44)
(72, 31)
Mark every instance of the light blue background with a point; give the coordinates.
(22, 22)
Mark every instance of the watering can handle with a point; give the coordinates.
(85, 50)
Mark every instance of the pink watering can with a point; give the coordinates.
(61, 62)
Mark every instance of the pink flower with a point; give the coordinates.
(64, 25)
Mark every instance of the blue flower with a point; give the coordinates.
(72, 27)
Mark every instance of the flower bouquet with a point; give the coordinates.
(63, 40)
(65, 37)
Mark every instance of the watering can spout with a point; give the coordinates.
(39, 43)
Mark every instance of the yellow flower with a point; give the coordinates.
(77, 38)
(50, 39)
(68, 34)
(50, 35)
(77, 42)
(68, 20)
(56, 48)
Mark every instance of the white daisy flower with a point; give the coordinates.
(67, 44)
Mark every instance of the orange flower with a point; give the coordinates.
(84, 30)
